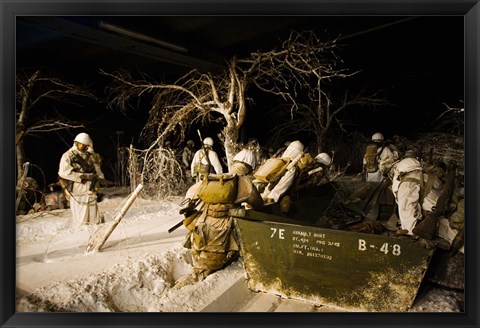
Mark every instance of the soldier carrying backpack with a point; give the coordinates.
(377, 154)
(205, 160)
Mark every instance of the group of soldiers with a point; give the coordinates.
(211, 236)
(418, 188)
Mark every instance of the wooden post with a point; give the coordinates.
(96, 245)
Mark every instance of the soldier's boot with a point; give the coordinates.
(187, 279)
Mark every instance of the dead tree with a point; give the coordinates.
(296, 72)
(195, 97)
(302, 71)
(37, 88)
(318, 121)
(451, 120)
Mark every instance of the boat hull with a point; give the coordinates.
(349, 270)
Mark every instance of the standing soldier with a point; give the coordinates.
(80, 172)
(375, 156)
(205, 160)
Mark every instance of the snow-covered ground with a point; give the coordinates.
(136, 268)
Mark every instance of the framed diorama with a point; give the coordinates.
(145, 76)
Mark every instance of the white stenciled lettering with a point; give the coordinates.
(281, 233)
(396, 250)
(274, 231)
(362, 245)
(301, 233)
(318, 255)
(384, 248)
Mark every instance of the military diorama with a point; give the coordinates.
(358, 219)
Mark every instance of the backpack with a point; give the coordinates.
(219, 189)
(371, 162)
(199, 167)
(270, 169)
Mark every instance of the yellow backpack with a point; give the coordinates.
(270, 169)
(219, 188)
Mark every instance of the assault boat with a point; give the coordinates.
(310, 253)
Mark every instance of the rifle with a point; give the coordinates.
(189, 211)
(77, 159)
(428, 226)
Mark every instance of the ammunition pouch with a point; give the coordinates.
(219, 189)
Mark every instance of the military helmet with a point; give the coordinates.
(377, 137)
(208, 141)
(297, 145)
(190, 142)
(408, 165)
(323, 158)
(410, 153)
(84, 138)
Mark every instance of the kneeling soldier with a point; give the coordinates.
(211, 235)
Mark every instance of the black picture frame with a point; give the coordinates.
(10, 9)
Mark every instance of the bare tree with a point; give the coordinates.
(297, 72)
(302, 71)
(195, 97)
(452, 120)
(34, 89)
(318, 121)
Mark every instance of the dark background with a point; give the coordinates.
(468, 10)
(416, 61)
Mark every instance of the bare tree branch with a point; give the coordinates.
(33, 89)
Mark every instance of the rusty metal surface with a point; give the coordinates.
(354, 271)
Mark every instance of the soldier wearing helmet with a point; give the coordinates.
(205, 161)
(415, 190)
(310, 173)
(378, 158)
(274, 190)
(80, 172)
(245, 161)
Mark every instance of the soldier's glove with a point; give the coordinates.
(88, 177)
